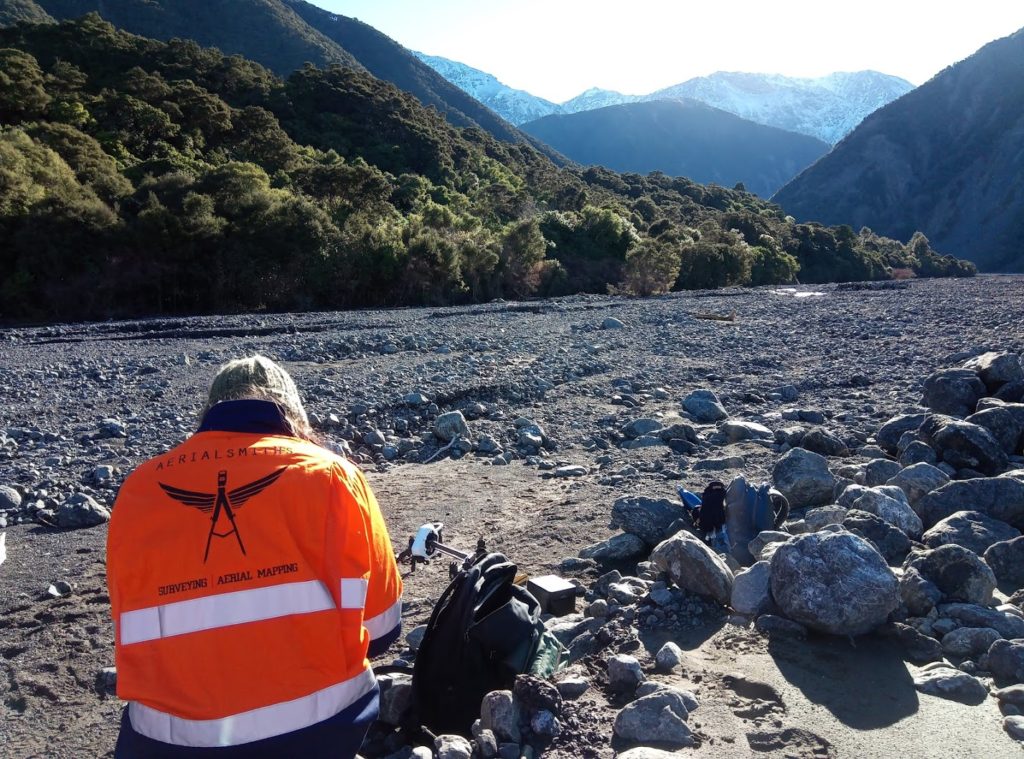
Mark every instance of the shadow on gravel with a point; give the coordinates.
(687, 638)
(866, 687)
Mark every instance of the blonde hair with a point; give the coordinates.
(259, 378)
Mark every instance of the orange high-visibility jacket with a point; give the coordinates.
(250, 574)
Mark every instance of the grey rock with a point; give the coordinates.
(395, 698)
(918, 647)
(639, 427)
(1006, 560)
(570, 470)
(735, 431)
(500, 714)
(646, 752)
(10, 499)
(80, 510)
(890, 541)
(804, 478)
(888, 436)
(648, 687)
(1006, 660)
(704, 406)
(918, 452)
(964, 445)
(693, 566)
(657, 718)
(918, 480)
(970, 529)
(453, 747)
(415, 637)
(545, 724)
(450, 425)
(880, 471)
(485, 741)
(896, 512)
(1011, 694)
(824, 442)
(610, 322)
(918, 594)
(1001, 498)
(773, 625)
(957, 572)
(996, 369)
(669, 657)
(833, 582)
(953, 391)
(1013, 724)
(620, 547)
(971, 615)
(624, 673)
(751, 589)
(951, 684)
(647, 518)
(1004, 426)
(764, 538)
(571, 688)
(969, 641)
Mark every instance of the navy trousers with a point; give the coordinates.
(336, 738)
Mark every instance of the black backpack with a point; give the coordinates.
(712, 507)
(483, 631)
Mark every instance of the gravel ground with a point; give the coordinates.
(80, 405)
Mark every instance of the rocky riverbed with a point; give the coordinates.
(881, 619)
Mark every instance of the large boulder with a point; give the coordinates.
(803, 477)
(1006, 660)
(822, 441)
(647, 518)
(969, 641)
(960, 574)
(946, 682)
(880, 471)
(1004, 426)
(963, 445)
(890, 541)
(751, 589)
(704, 406)
(736, 432)
(81, 510)
(658, 718)
(693, 566)
(833, 582)
(450, 425)
(621, 547)
(953, 391)
(1001, 498)
(970, 529)
(918, 480)
(893, 510)
(889, 434)
(996, 369)
(643, 426)
(1006, 559)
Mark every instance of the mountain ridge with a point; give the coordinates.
(944, 159)
(681, 138)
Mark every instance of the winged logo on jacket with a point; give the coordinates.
(222, 504)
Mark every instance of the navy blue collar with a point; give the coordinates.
(248, 416)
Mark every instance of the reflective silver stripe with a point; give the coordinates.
(224, 609)
(265, 722)
(384, 622)
(353, 592)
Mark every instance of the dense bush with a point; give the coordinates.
(141, 177)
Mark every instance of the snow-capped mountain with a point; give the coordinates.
(516, 106)
(596, 97)
(828, 107)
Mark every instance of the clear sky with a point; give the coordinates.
(558, 48)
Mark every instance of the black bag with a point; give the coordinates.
(483, 631)
(712, 507)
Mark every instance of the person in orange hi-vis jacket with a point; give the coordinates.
(251, 576)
